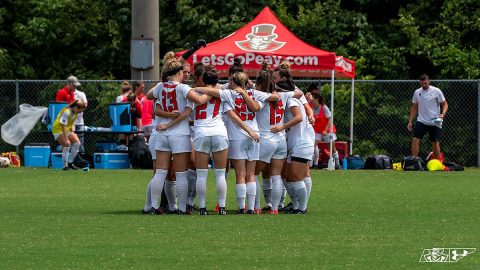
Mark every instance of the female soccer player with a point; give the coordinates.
(211, 138)
(273, 145)
(282, 73)
(174, 136)
(300, 147)
(63, 133)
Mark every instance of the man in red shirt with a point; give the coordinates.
(67, 93)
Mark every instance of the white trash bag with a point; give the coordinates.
(20, 125)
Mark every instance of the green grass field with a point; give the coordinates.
(51, 219)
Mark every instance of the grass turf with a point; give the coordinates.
(357, 220)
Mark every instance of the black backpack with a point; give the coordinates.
(83, 160)
(452, 166)
(378, 162)
(139, 154)
(411, 163)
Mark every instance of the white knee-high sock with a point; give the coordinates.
(148, 197)
(267, 191)
(293, 195)
(251, 193)
(157, 186)
(241, 190)
(308, 184)
(301, 194)
(170, 192)
(221, 184)
(74, 152)
(191, 177)
(284, 193)
(258, 193)
(201, 186)
(182, 190)
(65, 151)
(277, 190)
(337, 159)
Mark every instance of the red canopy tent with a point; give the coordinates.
(266, 38)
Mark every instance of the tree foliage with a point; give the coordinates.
(42, 39)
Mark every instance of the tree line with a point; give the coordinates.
(48, 39)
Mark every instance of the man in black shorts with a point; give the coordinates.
(426, 102)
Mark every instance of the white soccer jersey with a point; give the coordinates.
(298, 136)
(238, 104)
(79, 95)
(172, 96)
(272, 114)
(208, 117)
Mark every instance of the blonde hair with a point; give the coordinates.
(171, 65)
(240, 79)
(125, 87)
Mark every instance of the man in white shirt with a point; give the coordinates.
(426, 102)
(79, 123)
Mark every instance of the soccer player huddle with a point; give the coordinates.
(265, 128)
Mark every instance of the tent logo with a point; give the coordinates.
(262, 39)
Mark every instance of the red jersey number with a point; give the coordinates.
(276, 112)
(169, 101)
(242, 110)
(201, 110)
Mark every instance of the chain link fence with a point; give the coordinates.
(381, 112)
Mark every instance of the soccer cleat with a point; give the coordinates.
(300, 212)
(72, 166)
(273, 212)
(170, 212)
(221, 211)
(66, 168)
(194, 207)
(151, 211)
(181, 213)
(251, 212)
(287, 207)
(241, 211)
(267, 208)
(203, 212)
(257, 210)
(189, 208)
(291, 211)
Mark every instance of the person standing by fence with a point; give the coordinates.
(66, 94)
(426, 102)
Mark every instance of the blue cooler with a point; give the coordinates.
(36, 154)
(56, 160)
(111, 160)
(120, 116)
(53, 109)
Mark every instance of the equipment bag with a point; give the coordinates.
(411, 163)
(378, 162)
(452, 166)
(355, 162)
(139, 154)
